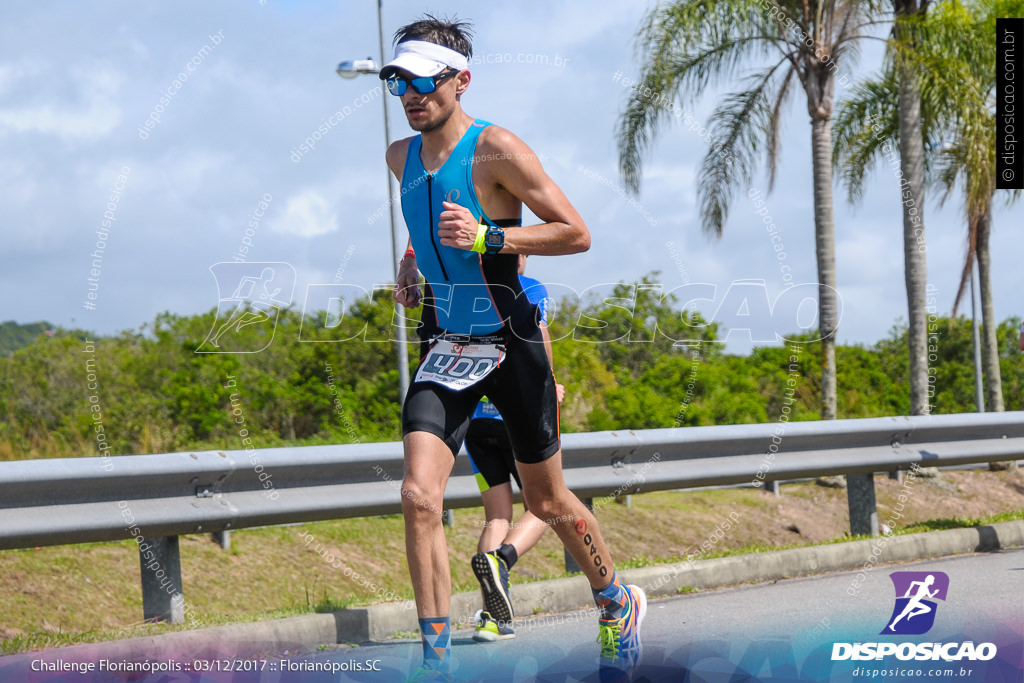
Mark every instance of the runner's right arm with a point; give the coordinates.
(407, 284)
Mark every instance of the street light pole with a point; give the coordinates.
(979, 395)
(351, 69)
(403, 347)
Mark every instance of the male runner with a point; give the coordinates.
(464, 182)
(501, 542)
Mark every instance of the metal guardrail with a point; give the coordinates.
(77, 500)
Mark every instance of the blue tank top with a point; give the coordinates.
(467, 292)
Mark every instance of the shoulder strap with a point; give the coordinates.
(412, 160)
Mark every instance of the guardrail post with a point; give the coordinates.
(162, 595)
(571, 566)
(860, 493)
(222, 538)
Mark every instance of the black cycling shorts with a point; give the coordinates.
(522, 389)
(491, 453)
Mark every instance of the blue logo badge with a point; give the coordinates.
(916, 592)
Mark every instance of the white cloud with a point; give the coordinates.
(92, 113)
(307, 214)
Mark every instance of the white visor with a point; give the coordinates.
(421, 58)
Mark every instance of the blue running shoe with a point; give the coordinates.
(492, 573)
(620, 638)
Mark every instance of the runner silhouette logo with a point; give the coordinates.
(250, 298)
(916, 593)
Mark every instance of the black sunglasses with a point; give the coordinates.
(424, 85)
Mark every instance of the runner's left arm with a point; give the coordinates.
(517, 170)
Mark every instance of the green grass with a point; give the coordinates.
(960, 522)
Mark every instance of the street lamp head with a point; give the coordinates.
(350, 68)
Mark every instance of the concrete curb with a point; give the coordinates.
(379, 622)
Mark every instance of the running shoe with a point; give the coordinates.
(620, 638)
(492, 573)
(488, 630)
(425, 674)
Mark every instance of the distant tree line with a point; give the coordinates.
(148, 391)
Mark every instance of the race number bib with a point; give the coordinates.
(457, 366)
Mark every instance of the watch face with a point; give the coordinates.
(494, 239)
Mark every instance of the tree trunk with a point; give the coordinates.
(912, 198)
(989, 343)
(860, 488)
(825, 245)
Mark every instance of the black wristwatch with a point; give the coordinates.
(494, 239)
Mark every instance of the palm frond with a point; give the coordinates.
(660, 95)
(866, 126)
(743, 123)
(690, 46)
(685, 47)
(775, 125)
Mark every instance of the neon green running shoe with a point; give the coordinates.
(488, 630)
(620, 639)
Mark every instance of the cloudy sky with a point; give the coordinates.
(79, 81)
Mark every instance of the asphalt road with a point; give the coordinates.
(784, 631)
(773, 633)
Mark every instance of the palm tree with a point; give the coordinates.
(971, 157)
(688, 46)
(908, 16)
(954, 59)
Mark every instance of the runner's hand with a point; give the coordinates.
(458, 226)
(560, 391)
(407, 288)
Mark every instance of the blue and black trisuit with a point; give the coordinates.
(487, 442)
(469, 293)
